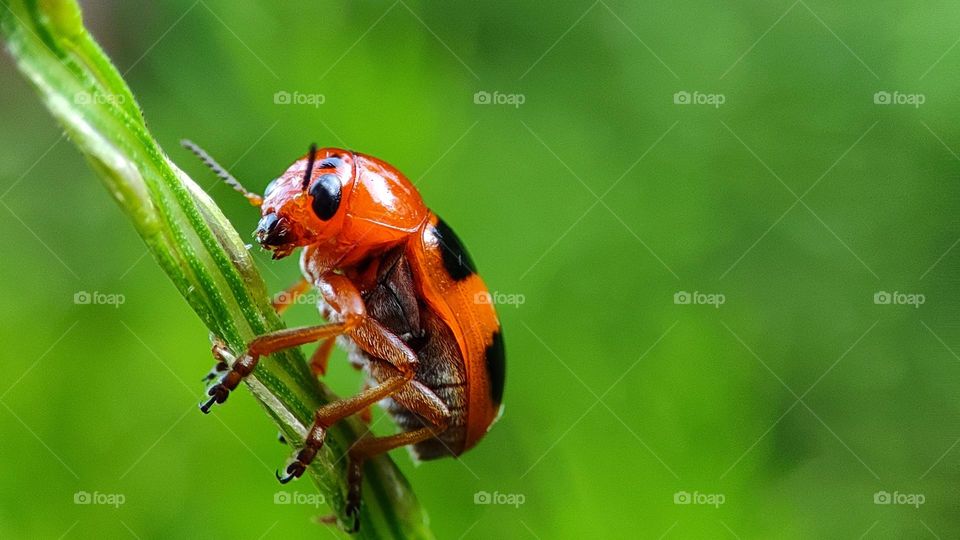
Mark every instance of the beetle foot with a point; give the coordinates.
(218, 394)
(303, 458)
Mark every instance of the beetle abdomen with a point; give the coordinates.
(393, 301)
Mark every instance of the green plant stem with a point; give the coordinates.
(193, 242)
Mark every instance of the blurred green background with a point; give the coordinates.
(795, 406)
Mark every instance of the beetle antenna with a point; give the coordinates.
(221, 172)
(310, 162)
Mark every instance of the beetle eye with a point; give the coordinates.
(326, 196)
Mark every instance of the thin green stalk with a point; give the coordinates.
(193, 242)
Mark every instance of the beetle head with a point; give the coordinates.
(302, 206)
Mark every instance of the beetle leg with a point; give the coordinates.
(222, 354)
(320, 358)
(371, 336)
(262, 346)
(375, 339)
(363, 449)
(379, 342)
(333, 412)
(368, 447)
(366, 415)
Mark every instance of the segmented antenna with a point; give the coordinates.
(310, 162)
(221, 172)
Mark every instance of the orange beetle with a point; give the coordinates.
(399, 291)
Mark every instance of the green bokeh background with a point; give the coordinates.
(617, 398)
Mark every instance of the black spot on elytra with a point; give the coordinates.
(456, 260)
(496, 367)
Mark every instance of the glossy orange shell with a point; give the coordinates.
(381, 209)
(466, 307)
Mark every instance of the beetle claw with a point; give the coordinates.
(300, 461)
(218, 394)
(295, 469)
